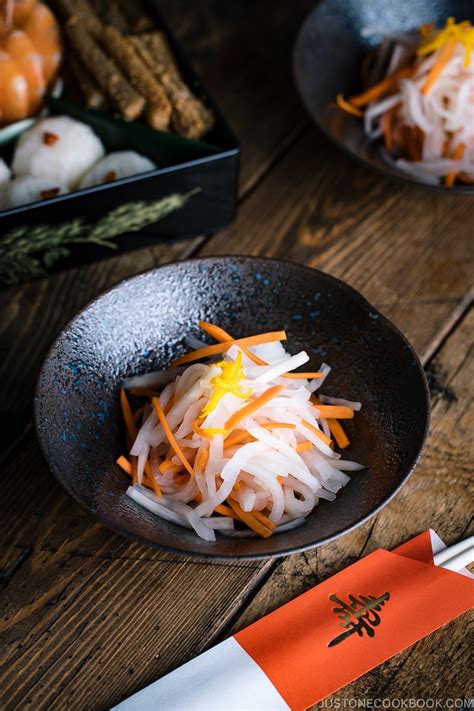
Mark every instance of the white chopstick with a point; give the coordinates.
(457, 556)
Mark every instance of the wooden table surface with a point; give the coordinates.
(87, 618)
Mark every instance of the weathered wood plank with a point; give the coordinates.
(87, 617)
(409, 250)
(244, 55)
(438, 495)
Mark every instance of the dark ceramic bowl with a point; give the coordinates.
(327, 61)
(139, 325)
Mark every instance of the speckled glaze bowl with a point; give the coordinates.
(329, 50)
(140, 324)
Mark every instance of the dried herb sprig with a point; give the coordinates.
(27, 251)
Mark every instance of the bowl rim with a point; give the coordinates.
(104, 519)
(463, 190)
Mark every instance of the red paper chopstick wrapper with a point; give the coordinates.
(323, 639)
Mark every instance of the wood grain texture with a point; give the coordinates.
(243, 52)
(87, 617)
(438, 495)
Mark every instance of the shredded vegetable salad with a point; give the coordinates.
(420, 101)
(238, 444)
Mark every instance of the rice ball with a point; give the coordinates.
(58, 148)
(27, 189)
(5, 172)
(119, 164)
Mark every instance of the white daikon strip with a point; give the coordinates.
(315, 384)
(144, 434)
(285, 366)
(220, 524)
(149, 380)
(340, 401)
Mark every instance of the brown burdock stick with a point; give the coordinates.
(157, 49)
(124, 97)
(189, 116)
(79, 9)
(89, 90)
(158, 107)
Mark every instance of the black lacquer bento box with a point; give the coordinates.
(195, 186)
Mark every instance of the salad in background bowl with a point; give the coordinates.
(393, 84)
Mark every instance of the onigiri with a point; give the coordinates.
(58, 148)
(119, 164)
(27, 189)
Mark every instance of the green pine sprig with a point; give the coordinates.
(27, 251)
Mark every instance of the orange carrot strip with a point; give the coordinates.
(308, 376)
(151, 483)
(335, 411)
(215, 331)
(170, 436)
(223, 337)
(278, 425)
(201, 459)
(124, 464)
(165, 465)
(338, 433)
(147, 483)
(304, 446)
(348, 107)
(317, 432)
(381, 88)
(238, 437)
(220, 335)
(223, 347)
(226, 511)
(253, 406)
(127, 414)
(168, 466)
(457, 155)
(444, 56)
(200, 432)
(250, 520)
(154, 483)
(263, 519)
